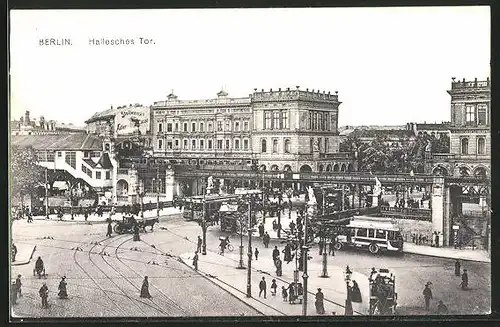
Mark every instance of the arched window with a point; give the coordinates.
(275, 146)
(287, 146)
(481, 146)
(264, 146)
(465, 146)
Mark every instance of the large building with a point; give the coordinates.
(284, 130)
(470, 139)
(27, 125)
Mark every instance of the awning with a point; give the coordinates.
(61, 185)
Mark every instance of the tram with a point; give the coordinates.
(193, 206)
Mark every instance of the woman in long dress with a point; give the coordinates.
(62, 289)
(145, 289)
(356, 293)
(320, 307)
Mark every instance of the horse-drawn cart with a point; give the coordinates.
(128, 222)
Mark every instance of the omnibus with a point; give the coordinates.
(372, 233)
(193, 206)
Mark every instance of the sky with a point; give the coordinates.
(390, 66)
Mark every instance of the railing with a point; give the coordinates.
(443, 156)
(407, 213)
(470, 84)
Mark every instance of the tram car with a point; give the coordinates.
(383, 296)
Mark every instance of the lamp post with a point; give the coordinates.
(348, 303)
(305, 276)
(46, 195)
(241, 265)
(156, 183)
(325, 256)
(250, 230)
(141, 195)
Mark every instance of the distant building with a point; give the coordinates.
(394, 138)
(28, 125)
(432, 129)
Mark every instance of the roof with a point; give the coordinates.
(90, 162)
(58, 142)
(109, 113)
(383, 132)
(105, 162)
(433, 126)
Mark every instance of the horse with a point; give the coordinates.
(148, 222)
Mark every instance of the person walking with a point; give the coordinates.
(19, 284)
(110, 229)
(262, 287)
(136, 233)
(457, 268)
(356, 293)
(30, 217)
(261, 230)
(44, 294)
(86, 214)
(256, 252)
(266, 239)
(465, 280)
(145, 288)
(14, 252)
(195, 260)
(321, 245)
(284, 294)
(320, 307)
(274, 286)
(331, 247)
(278, 264)
(198, 244)
(276, 253)
(427, 295)
(62, 289)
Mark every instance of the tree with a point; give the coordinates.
(26, 174)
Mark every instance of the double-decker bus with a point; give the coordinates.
(372, 233)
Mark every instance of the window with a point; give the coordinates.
(263, 146)
(169, 145)
(210, 127)
(326, 144)
(245, 144)
(193, 127)
(371, 233)
(59, 154)
(469, 114)
(86, 154)
(321, 125)
(160, 144)
(219, 126)
(327, 122)
(245, 126)
(201, 127)
(237, 144)
(176, 144)
(275, 146)
(71, 158)
(193, 144)
(160, 127)
(202, 144)
(380, 234)
(51, 156)
(169, 127)
(268, 124)
(97, 175)
(309, 121)
(362, 232)
(287, 146)
(276, 120)
(108, 175)
(227, 144)
(210, 144)
(319, 143)
(176, 127)
(284, 119)
(185, 127)
(481, 146)
(185, 144)
(219, 144)
(227, 127)
(481, 114)
(237, 126)
(465, 146)
(311, 144)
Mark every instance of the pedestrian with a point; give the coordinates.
(62, 289)
(86, 215)
(427, 295)
(457, 268)
(356, 293)
(256, 252)
(261, 230)
(284, 294)
(321, 244)
(18, 285)
(13, 293)
(278, 265)
(320, 307)
(30, 217)
(110, 229)
(80, 210)
(465, 280)
(274, 286)
(442, 309)
(198, 244)
(276, 253)
(14, 252)
(195, 260)
(266, 238)
(136, 233)
(44, 294)
(262, 287)
(291, 293)
(331, 247)
(145, 289)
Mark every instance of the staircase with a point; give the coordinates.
(473, 232)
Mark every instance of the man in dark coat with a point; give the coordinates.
(199, 244)
(276, 253)
(331, 247)
(457, 268)
(321, 245)
(44, 294)
(145, 289)
(262, 287)
(62, 289)
(14, 252)
(136, 233)
(261, 230)
(110, 230)
(266, 238)
(287, 251)
(465, 280)
(256, 252)
(278, 265)
(195, 261)
(320, 307)
(427, 295)
(19, 285)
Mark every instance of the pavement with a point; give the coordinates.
(24, 253)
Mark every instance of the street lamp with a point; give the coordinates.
(250, 231)
(348, 302)
(240, 214)
(305, 276)
(141, 195)
(156, 183)
(46, 195)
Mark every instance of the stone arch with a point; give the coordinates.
(275, 168)
(464, 171)
(480, 171)
(305, 169)
(342, 168)
(122, 187)
(349, 167)
(321, 167)
(329, 167)
(440, 171)
(336, 167)
(262, 168)
(287, 168)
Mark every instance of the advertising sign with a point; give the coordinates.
(129, 119)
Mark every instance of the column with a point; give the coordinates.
(221, 185)
(438, 198)
(132, 188)
(169, 185)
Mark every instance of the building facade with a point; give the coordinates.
(28, 125)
